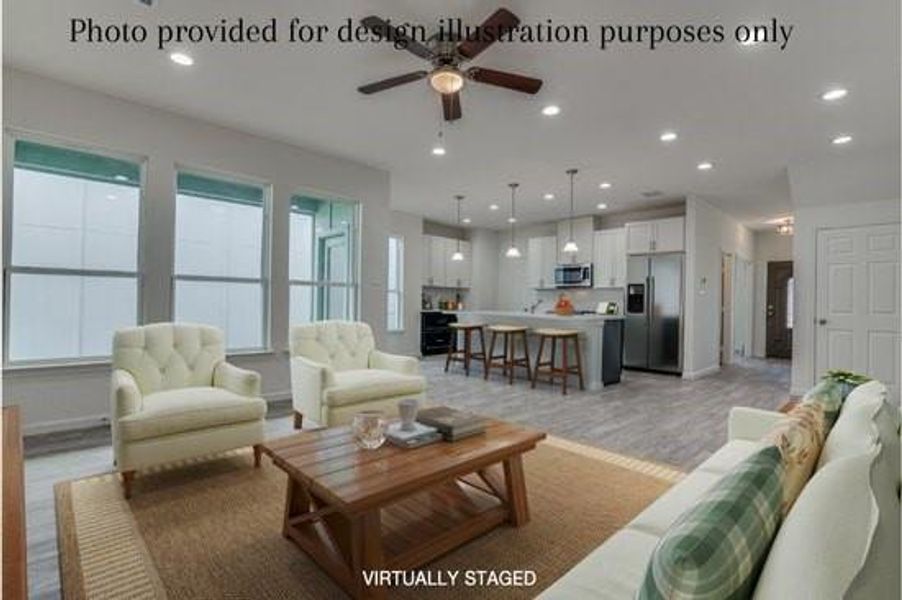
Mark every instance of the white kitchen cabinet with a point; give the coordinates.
(457, 273)
(610, 258)
(583, 235)
(541, 258)
(438, 268)
(660, 235)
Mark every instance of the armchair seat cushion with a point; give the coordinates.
(189, 409)
(362, 385)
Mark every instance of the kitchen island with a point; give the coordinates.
(600, 336)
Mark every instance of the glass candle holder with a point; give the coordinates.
(369, 429)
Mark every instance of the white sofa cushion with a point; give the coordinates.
(165, 356)
(728, 456)
(359, 385)
(824, 539)
(663, 512)
(855, 431)
(188, 409)
(341, 345)
(613, 571)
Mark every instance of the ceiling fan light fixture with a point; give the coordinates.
(446, 80)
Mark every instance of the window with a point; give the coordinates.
(220, 237)
(395, 303)
(72, 277)
(322, 262)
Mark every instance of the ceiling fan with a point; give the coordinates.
(447, 56)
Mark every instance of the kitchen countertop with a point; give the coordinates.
(539, 315)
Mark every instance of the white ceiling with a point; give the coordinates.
(750, 110)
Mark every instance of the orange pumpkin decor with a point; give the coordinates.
(563, 306)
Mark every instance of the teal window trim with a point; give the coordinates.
(75, 163)
(200, 186)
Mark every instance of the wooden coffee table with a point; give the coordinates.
(354, 510)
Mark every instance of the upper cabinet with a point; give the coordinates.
(541, 258)
(660, 235)
(583, 235)
(610, 258)
(438, 268)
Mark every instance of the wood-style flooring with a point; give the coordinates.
(655, 417)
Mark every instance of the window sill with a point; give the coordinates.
(105, 363)
(395, 331)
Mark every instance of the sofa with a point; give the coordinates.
(839, 540)
(336, 372)
(173, 396)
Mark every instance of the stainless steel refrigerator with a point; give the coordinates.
(653, 337)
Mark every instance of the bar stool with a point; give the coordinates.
(508, 361)
(548, 367)
(467, 354)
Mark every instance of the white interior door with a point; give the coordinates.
(858, 302)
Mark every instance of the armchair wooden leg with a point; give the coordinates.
(258, 453)
(127, 478)
(298, 420)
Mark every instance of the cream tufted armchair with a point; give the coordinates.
(174, 397)
(336, 371)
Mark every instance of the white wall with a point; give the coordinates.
(769, 247)
(484, 264)
(709, 233)
(842, 189)
(60, 398)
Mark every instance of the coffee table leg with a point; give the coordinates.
(297, 502)
(516, 491)
(367, 554)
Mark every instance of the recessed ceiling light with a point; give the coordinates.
(601, 206)
(842, 139)
(551, 110)
(511, 219)
(180, 58)
(548, 196)
(668, 136)
(834, 94)
(705, 166)
(466, 220)
(605, 185)
(493, 207)
(438, 151)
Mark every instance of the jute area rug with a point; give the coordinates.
(211, 528)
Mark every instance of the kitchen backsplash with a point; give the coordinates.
(582, 299)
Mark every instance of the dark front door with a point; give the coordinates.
(779, 309)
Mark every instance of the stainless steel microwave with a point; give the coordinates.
(577, 275)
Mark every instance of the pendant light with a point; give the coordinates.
(570, 247)
(458, 255)
(513, 251)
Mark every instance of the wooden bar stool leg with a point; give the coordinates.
(467, 352)
(565, 365)
(511, 358)
(553, 360)
(535, 374)
(485, 362)
(579, 363)
(490, 357)
(451, 344)
(526, 355)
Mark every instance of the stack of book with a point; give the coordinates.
(420, 435)
(451, 423)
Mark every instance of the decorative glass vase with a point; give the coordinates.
(369, 429)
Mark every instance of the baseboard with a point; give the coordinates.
(92, 421)
(693, 375)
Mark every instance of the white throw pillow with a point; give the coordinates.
(855, 431)
(824, 540)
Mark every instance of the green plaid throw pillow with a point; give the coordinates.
(715, 550)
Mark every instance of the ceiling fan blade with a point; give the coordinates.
(378, 86)
(393, 34)
(500, 20)
(511, 81)
(451, 106)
